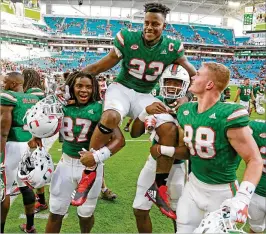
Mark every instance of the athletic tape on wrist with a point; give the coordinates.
(143, 115)
(102, 154)
(167, 150)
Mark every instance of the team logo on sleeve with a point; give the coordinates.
(134, 47)
(263, 135)
(186, 112)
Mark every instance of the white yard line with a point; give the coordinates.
(39, 216)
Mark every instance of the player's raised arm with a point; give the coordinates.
(104, 64)
(187, 65)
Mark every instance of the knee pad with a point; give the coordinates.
(27, 195)
(87, 210)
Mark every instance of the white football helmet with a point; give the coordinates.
(218, 222)
(36, 168)
(175, 72)
(260, 110)
(45, 117)
(2, 184)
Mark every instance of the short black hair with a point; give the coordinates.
(157, 8)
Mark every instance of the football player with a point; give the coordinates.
(245, 92)
(144, 55)
(214, 132)
(32, 84)
(14, 138)
(257, 208)
(80, 119)
(173, 85)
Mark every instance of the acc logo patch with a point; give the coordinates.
(263, 135)
(186, 112)
(134, 47)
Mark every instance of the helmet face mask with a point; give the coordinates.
(174, 82)
(36, 168)
(45, 117)
(218, 221)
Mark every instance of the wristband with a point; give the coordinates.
(247, 189)
(143, 115)
(167, 150)
(101, 154)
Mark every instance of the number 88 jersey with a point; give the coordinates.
(142, 66)
(78, 125)
(213, 159)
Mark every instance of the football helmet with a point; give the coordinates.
(36, 168)
(174, 72)
(218, 221)
(2, 183)
(44, 118)
(260, 110)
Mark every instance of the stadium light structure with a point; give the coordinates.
(232, 4)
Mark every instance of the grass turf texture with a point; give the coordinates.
(121, 174)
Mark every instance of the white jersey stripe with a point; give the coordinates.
(118, 52)
(8, 96)
(120, 38)
(237, 113)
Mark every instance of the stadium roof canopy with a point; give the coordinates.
(206, 7)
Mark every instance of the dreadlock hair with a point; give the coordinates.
(32, 79)
(65, 75)
(71, 80)
(157, 8)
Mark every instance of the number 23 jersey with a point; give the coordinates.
(78, 125)
(142, 66)
(213, 159)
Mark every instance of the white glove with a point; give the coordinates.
(63, 94)
(238, 205)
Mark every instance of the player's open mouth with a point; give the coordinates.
(83, 97)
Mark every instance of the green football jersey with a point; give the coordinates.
(37, 92)
(142, 66)
(259, 133)
(245, 92)
(156, 90)
(78, 125)
(213, 159)
(21, 103)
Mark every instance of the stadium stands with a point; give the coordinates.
(102, 27)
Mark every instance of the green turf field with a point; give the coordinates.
(121, 173)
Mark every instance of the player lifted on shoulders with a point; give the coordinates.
(214, 133)
(173, 86)
(144, 54)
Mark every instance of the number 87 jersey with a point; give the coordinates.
(213, 159)
(78, 125)
(142, 66)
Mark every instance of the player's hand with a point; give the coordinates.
(87, 158)
(62, 93)
(238, 209)
(155, 151)
(156, 108)
(35, 142)
(180, 102)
